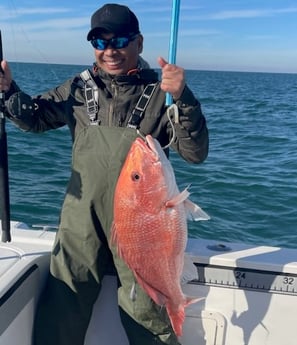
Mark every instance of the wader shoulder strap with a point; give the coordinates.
(91, 95)
(141, 105)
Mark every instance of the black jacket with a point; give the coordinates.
(118, 95)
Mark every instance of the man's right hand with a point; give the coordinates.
(5, 76)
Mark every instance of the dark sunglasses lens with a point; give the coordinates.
(119, 42)
(100, 44)
(116, 42)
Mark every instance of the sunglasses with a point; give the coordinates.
(115, 42)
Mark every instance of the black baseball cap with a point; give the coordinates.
(118, 19)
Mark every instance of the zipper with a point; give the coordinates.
(114, 90)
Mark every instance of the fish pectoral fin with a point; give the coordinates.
(178, 199)
(194, 212)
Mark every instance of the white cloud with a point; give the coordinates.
(252, 13)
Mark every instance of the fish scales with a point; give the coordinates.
(150, 226)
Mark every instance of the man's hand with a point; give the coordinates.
(173, 78)
(5, 76)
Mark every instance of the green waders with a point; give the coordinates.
(81, 255)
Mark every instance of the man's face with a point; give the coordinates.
(119, 61)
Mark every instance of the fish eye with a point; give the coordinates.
(135, 176)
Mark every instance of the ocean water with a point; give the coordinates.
(248, 184)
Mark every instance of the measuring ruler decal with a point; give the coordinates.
(244, 278)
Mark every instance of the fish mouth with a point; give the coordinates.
(148, 145)
(151, 144)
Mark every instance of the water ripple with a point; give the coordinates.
(248, 184)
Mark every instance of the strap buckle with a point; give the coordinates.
(141, 105)
(91, 95)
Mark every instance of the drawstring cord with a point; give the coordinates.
(172, 109)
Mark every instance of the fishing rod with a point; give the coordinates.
(173, 39)
(4, 182)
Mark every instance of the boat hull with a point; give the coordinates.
(250, 293)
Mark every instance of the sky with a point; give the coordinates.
(224, 35)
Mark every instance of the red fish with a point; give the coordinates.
(150, 226)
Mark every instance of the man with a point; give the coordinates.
(106, 108)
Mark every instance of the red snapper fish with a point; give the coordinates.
(150, 226)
